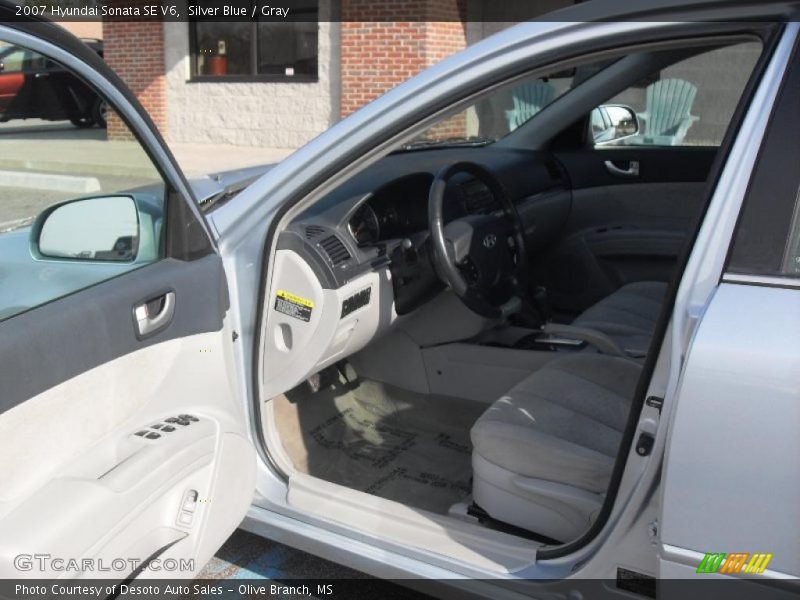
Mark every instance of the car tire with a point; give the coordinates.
(99, 110)
(82, 122)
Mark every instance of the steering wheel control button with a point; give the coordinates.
(470, 270)
(156, 426)
(141, 433)
(168, 428)
(153, 435)
(171, 420)
(189, 418)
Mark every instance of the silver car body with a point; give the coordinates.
(729, 358)
(686, 526)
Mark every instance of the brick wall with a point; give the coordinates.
(384, 42)
(135, 50)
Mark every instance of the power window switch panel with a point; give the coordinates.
(185, 518)
(189, 501)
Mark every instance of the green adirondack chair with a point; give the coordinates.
(668, 117)
(529, 98)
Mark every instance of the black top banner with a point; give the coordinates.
(507, 11)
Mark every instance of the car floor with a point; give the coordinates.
(382, 440)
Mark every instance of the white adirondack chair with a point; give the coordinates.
(668, 117)
(529, 99)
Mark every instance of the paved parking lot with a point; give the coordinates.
(31, 150)
(50, 138)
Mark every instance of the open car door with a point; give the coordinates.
(122, 434)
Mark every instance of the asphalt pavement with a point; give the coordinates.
(246, 556)
(43, 162)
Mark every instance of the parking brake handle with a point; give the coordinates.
(598, 339)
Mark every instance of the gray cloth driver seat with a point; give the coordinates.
(543, 453)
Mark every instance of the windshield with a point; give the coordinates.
(504, 109)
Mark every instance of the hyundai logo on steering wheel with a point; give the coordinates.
(490, 240)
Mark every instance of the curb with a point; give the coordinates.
(49, 181)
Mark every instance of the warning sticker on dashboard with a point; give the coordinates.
(293, 305)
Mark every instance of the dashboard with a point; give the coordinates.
(360, 257)
(400, 208)
(379, 218)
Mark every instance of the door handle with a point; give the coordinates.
(147, 323)
(41, 75)
(631, 171)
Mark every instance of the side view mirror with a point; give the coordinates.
(610, 123)
(98, 229)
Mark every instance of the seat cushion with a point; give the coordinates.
(628, 315)
(563, 423)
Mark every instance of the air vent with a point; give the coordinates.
(313, 231)
(335, 250)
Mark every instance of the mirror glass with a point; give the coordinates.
(613, 122)
(104, 228)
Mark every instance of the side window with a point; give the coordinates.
(689, 103)
(12, 59)
(78, 203)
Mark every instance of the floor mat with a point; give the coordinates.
(378, 439)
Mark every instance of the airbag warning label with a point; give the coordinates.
(293, 305)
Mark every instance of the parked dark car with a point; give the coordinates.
(35, 87)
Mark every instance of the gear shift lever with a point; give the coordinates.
(540, 302)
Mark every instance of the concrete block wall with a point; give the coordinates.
(269, 114)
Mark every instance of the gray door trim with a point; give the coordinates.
(62, 339)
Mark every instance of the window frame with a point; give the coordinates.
(763, 231)
(253, 76)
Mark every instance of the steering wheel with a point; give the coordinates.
(481, 257)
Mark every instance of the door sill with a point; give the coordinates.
(417, 530)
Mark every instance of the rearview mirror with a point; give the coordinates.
(104, 229)
(611, 123)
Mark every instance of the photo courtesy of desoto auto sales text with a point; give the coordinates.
(399, 299)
